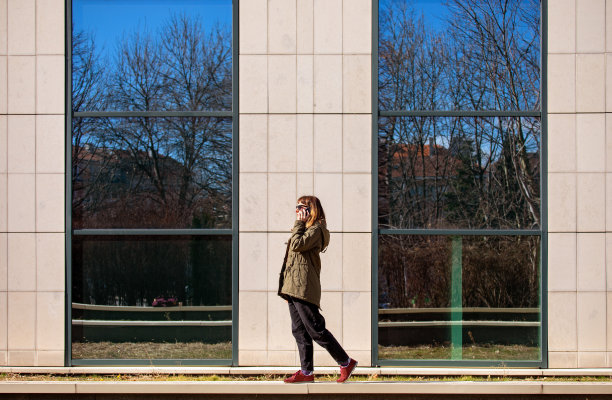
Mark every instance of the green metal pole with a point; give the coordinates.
(456, 297)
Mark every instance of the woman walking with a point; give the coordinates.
(300, 285)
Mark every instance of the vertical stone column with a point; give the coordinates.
(32, 182)
(305, 128)
(579, 162)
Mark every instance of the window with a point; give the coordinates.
(152, 215)
(459, 201)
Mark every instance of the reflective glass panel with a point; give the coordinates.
(152, 172)
(459, 173)
(459, 298)
(154, 55)
(459, 55)
(151, 297)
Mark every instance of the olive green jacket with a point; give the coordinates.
(301, 271)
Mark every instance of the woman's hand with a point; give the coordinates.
(302, 215)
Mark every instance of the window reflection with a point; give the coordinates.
(151, 297)
(176, 57)
(459, 55)
(152, 172)
(471, 297)
(459, 172)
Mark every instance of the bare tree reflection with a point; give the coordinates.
(156, 172)
(459, 172)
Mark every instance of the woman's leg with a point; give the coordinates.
(314, 323)
(303, 339)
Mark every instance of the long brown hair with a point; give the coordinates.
(316, 210)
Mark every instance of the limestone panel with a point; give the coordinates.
(253, 27)
(590, 26)
(21, 27)
(356, 143)
(561, 87)
(253, 261)
(356, 262)
(50, 71)
(561, 202)
(357, 84)
(50, 146)
(590, 83)
(21, 144)
(357, 203)
(305, 144)
(3, 144)
(305, 83)
(590, 142)
(328, 143)
(253, 84)
(562, 359)
(356, 333)
(562, 334)
(328, 188)
(21, 85)
(21, 321)
(50, 29)
(282, 35)
(327, 83)
(357, 27)
(252, 321)
(562, 262)
(591, 321)
(50, 203)
(331, 264)
(253, 202)
(282, 136)
(50, 262)
(21, 203)
(253, 143)
(22, 261)
(281, 201)
(591, 261)
(562, 27)
(282, 89)
(305, 26)
(50, 321)
(328, 26)
(591, 202)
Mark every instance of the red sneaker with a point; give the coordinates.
(345, 372)
(299, 377)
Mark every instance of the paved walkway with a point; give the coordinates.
(323, 388)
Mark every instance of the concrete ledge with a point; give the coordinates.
(323, 388)
(362, 371)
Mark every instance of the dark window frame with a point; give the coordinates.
(70, 232)
(542, 231)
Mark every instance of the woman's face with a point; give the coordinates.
(301, 206)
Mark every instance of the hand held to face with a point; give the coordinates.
(302, 213)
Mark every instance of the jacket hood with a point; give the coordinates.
(326, 237)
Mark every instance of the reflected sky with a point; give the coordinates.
(109, 20)
(434, 12)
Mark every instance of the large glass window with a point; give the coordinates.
(152, 215)
(459, 200)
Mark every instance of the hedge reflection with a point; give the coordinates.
(135, 270)
(497, 271)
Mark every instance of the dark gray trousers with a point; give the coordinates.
(307, 324)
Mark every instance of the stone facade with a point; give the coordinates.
(32, 169)
(579, 183)
(305, 127)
